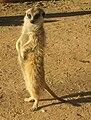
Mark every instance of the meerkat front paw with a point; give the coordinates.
(23, 54)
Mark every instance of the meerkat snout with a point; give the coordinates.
(35, 15)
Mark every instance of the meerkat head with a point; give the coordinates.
(34, 16)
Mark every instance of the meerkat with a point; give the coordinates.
(30, 47)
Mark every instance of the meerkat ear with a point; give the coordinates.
(25, 13)
(43, 14)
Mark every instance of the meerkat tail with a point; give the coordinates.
(52, 93)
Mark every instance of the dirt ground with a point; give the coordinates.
(67, 61)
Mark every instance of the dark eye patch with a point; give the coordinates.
(29, 16)
(37, 16)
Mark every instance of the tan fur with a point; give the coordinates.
(30, 47)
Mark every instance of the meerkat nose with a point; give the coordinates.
(32, 21)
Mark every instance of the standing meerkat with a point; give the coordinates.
(30, 47)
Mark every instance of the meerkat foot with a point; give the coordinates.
(35, 105)
(34, 108)
(30, 99)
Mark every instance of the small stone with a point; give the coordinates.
(43, 111)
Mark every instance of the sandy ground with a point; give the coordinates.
(67, 61)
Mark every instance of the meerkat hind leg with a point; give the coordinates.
(34, 97)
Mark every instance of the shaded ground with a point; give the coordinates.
(67, 61)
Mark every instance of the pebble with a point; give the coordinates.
(43, 111)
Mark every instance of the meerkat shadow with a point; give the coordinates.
(75, 99)
(67, 14)
(18, 20)
(11, 20)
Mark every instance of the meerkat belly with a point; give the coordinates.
(35, 72)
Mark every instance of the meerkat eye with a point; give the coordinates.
(29, 16)
(37, 16)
